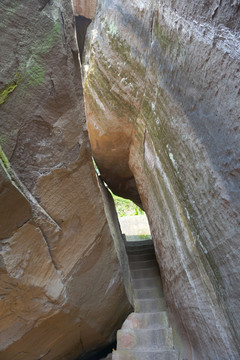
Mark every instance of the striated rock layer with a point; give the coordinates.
(162, 97)
(61, 289)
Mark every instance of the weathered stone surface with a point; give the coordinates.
(117, 236)
(162, 97)
(86, 8)
(145, 334)
(61, 289)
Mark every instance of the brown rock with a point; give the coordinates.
(162, 93)
(61, 282)
(86, 8)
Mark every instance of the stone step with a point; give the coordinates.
(149, 305)
(149, 321)
(146, 283)
(141, 257)
(151, 293)
(145, 334)
(143, 339)
(144, 355)
(139, 244)
(140, 251)
(143, 264)
(145, 273)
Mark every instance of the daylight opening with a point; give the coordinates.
(132, 219)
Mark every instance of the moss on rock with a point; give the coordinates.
(4, 158)
(8, 89)
(36, 74)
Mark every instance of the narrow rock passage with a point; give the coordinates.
(145, 334)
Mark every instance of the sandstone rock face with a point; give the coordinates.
(117, 236)
(61, 289)
(86, 8)
(162, 97)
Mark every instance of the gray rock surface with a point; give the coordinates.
(61, 289)
(162, 98)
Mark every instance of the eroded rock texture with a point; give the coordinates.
(86, 8)
(61, 290)
(162, 96)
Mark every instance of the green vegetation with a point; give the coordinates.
(144, 237)
(126, 207)
(4, 159)
(8, 89)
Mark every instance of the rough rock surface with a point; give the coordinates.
(162, 97)
(86, 8)
(61, 290)
(118, 239)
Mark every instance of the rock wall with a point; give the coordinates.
(61, 289)
(162, 98)
(86, 8)
(118, 238)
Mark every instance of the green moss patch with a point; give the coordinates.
(8, 89)
(44, 46)
(33, 69)
(4, 159)
(36, 74)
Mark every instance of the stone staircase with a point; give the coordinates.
(145, 334)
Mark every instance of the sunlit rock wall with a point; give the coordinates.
(61, 290)
(162, 96)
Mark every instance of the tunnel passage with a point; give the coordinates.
(120, 184)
